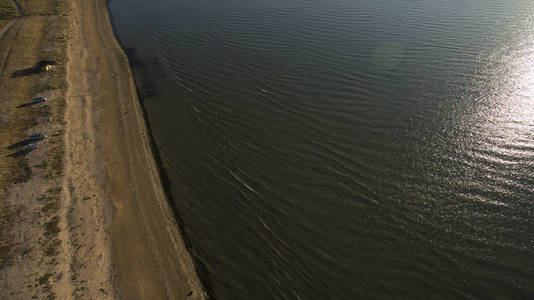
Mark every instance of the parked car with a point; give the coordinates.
(37, 136)
(38, 99)
(32, 147)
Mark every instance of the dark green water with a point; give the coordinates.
(344, 149)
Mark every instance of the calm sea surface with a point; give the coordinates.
(337, 149)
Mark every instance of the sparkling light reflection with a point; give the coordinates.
(508, 128)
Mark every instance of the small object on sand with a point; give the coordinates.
(46, 65)
(38, 99)
(37, 136)
(32, 146)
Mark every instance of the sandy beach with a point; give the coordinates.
(84, 215)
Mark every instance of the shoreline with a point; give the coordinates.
(201, 270)
(170, 246)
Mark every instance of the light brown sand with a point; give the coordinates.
(107, 136)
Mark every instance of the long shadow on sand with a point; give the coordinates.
(38, 68)
(20, 153)
(27, 104)
(27, 71)
(19, 144)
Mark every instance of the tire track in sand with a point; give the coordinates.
(6, 28)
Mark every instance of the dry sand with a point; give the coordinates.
(110, 232)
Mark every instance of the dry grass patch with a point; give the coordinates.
(7, 9)
(40, 35)
(44, 7)
(3, 22)
(8, 217)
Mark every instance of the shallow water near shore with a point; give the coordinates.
(336, 149)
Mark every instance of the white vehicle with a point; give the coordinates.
(38, 100)
(37, 136)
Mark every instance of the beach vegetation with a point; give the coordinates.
(50, 207)
(44, 279)
(50, 248)
(54, 190)
(52, 226)
(40, 39)
(7, 9)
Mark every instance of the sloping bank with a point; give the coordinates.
(107, 135)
